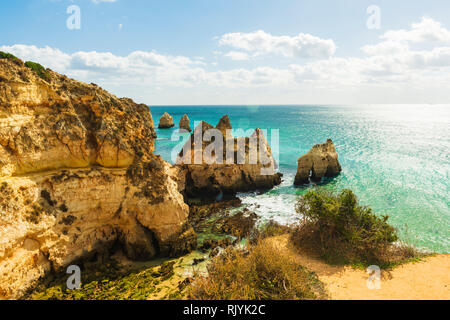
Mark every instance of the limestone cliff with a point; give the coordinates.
(236, 165)
(321, 161)
(77, 177)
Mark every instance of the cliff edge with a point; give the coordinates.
(78, 177)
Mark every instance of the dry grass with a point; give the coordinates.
(269, 229)
(263, 272)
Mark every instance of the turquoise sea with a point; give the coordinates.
(394, 157)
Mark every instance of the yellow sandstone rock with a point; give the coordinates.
(77, 176)
(166, 121)
(321, 161)
(184, 123)
(237, 165)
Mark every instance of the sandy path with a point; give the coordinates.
(427, 279)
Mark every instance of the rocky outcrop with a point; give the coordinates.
(200, 212)
(77, 177)
(321, 161)
(166, 121)
(239, 224)
(208, 168)
(184, 123)
(224, 126)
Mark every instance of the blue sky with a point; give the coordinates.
(241, 52)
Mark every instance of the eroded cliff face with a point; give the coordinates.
(241, 164)
(78, 177)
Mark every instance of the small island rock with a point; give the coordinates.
(223, 125)
(321, 161)
(184, 123)
(166, 121)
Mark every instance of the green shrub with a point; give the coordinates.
(265, 272)
(5, 55)
(38, 69)
(340, 230)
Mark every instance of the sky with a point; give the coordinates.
(203, 52)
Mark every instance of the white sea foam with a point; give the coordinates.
(275, 205)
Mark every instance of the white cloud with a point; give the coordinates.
(390, 72)
(260, 42)
(427, 30)
(388, 47)
(395, 49)
(89, 66)
(237, 55)
(47, 56)
(97, 61)
(100, 1)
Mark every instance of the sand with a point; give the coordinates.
(428, 279)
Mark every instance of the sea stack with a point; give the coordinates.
(207, 172)
(166, 121)
(321, 161)
(185, 124)
(224, 125)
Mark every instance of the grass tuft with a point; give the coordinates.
(39, 70)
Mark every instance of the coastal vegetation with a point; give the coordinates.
(38, 69)
(113, 281)
(5, 55)
(260, 272)
(134, 203)
(334, 227)
(339, 230)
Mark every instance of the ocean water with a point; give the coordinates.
(395, 158)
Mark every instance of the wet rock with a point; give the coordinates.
(198, 213)
(211, 244)
(181, 244)
(166, 270)
(239, 225)
(183, 284)
(197, 261)
(321, 161)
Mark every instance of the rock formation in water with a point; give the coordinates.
(321, 161)
(224, 126)
(77, 177)
(207, 169)
(166, 121)
(185, 124)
